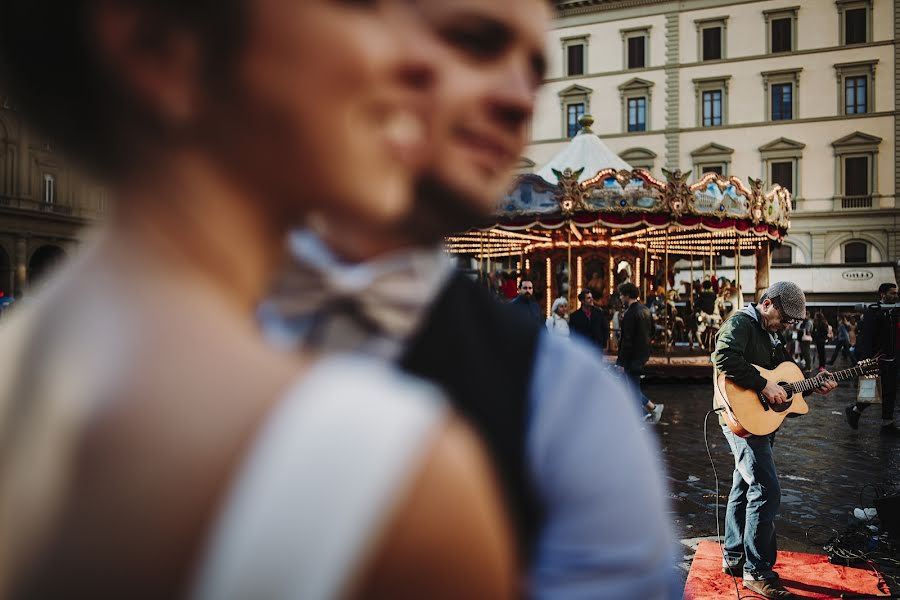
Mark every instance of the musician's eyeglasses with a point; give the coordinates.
(784, 319)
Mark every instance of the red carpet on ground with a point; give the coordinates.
(806, 575)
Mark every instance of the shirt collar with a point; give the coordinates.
(751, 310)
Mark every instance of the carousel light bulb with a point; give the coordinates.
(549, 293)
(580, 273)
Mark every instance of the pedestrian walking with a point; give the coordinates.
(877, 338)
(805, 330)
(842, 343)
(634, 350)
(820, 337)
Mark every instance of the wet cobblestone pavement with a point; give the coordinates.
(826, 469)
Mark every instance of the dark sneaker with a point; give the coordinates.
(735, 570)
(852, 417)
(770, 588)
(890, 430)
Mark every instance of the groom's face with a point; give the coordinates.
(493, 64)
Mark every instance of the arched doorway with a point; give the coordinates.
(43, 261)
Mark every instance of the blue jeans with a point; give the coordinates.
(633, 370)
(752, 505)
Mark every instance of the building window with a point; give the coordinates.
(855, 26)
(575, 102)
(856, 176)
(637, 114)
(635, 47)
(855, 17)
(575, 65)
(856, 156)
(712, 43)
(711, 38)
(782, 165)
(856, 252)
(574, 113)
(855, 95)
(782, 38)
(781, 28)
(712, 108)
(783, 255)
(712, 158)
(781, 88)
(782, 101)
(712, 101)
(575, 55)
(636, 52)
(856, 83)
(49, 189)
(783, 174)
(635, 95)
(639, 158)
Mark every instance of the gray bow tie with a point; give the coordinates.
(345, 307)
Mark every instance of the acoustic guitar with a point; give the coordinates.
(747, 412)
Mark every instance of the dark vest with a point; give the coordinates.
(481, 352)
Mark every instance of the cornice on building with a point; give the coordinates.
(579, 7)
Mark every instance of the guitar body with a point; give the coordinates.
(748, 412)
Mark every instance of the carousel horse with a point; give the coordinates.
(707, 328)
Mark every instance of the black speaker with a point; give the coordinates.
(888, 508)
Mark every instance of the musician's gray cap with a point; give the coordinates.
(791, 299)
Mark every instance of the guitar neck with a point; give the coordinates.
(812, 383)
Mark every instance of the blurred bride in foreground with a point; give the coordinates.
(152, 444)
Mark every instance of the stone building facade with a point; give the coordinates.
(44, 204)
(798, 92)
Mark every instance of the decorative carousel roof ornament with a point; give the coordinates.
(678, 196)
(571, 196)
(586, 121)
(757, 201)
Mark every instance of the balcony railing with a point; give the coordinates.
(856, 202)
(46, 207)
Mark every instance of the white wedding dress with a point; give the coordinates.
(319, 482)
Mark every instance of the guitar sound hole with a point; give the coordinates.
(784, 406)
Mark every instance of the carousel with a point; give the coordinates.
(589, 220)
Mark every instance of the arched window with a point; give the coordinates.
(783, 255)
(856, 252)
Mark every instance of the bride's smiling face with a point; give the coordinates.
(331, 107)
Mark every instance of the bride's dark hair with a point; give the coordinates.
(51, 71)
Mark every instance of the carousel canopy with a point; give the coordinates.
(588, 192)
(587, 154)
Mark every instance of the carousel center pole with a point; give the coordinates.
(762, 269)
(737, 267)
(569, 297)
(480, 259)
(646, 267)
(611, 275)
(691, 286)
(666, 300)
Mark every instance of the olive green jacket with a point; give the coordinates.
(741, 343)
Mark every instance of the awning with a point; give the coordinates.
(861, 281)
